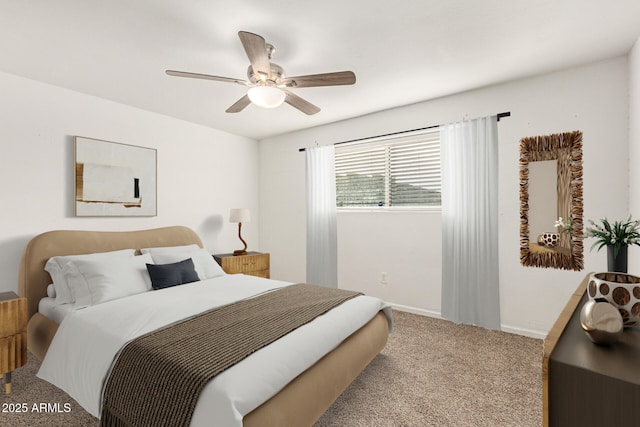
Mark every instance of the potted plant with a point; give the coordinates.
(617, 237)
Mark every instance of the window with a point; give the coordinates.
(390, 172)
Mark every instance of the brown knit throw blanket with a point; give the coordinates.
(157, 378)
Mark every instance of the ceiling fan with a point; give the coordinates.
(268, 85)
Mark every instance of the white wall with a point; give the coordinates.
(634, 148)
(405, 246)
(202, 173)
(592, 98)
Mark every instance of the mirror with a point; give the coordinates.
(550, 189)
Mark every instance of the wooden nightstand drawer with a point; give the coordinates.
(13, 335)
(13, 352)
(254, 264)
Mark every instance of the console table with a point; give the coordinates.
(585, 384)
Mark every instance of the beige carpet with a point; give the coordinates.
(431, 373)
(436, 373)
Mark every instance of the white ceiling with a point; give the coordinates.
(402, 52)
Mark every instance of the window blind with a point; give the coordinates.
(399, 171)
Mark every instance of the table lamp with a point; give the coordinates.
(240, 215)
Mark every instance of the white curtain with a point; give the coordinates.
(322, 256)
(469, 166)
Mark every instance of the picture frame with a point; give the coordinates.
(114, 179)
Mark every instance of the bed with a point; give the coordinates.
(300, 401)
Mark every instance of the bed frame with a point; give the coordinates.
(300, 403)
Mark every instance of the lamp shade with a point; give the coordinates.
(240, 215)
(266, 96)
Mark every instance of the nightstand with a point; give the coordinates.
(253, 263)
(13, 335)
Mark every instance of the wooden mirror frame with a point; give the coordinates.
(551, 147)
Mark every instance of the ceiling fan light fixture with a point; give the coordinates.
(266, 96)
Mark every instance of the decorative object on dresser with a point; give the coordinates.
(601, 321)
(13, 335)
(621, 290)
(113, 179)
(253, 263)
(616, 236)
(240, 215)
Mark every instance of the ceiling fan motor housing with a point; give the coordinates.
(277, 73)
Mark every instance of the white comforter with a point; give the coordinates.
(88, 340)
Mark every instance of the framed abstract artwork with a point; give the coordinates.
(113, 179)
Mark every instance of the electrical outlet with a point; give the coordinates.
(383, 278)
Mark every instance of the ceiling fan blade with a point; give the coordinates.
(239, 105)
(206, 77)
(256, 49)
(326, 79)
(301, 104)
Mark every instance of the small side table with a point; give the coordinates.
(253, 263)
(13, 335)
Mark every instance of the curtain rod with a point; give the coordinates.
(499, 116)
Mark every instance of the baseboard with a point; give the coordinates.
(524, 332)
(505, 328)
(414, 310)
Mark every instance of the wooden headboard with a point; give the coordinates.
(33, 280)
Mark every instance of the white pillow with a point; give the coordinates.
(51, 291)
(56, 264)
(171, 249)
(203, 261)
(96, 281)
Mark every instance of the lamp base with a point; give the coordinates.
(242, 251)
